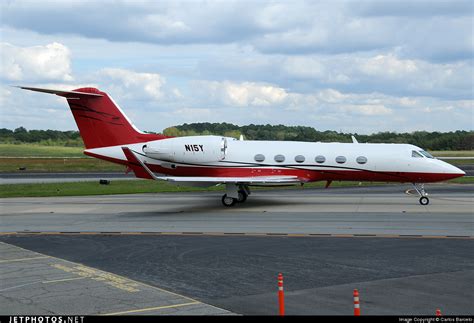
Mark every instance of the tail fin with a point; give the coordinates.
(100, 121)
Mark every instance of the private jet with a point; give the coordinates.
(108, 134)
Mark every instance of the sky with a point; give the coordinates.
(352, 66)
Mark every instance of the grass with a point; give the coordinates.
(37, 158)
(31, 150)
(55, 165)
(452, 153)
(144, 186)
(455, 153)
(89, 188)
(462, 180)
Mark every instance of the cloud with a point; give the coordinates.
(140, 21)
(440, 30)
(194, 114)
(420, 8)
(415, 77)
(324, 103)
(4, 95)
(384, 72)
(370, 66)
(388, 65)
(130, 84)
(244, 94)
(36, 63)
(367, 109)
(158, 26)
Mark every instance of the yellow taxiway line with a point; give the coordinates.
(153, 308)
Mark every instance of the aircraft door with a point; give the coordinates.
(223, 148)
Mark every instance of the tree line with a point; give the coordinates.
(43, 137)
(456, 140)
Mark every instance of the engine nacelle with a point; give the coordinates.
(193, 149)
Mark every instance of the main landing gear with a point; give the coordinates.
(420, 188)
(235, 194)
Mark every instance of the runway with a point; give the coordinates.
(187, 254)
(383, 210)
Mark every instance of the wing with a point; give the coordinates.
(240, 180)
(141, 170)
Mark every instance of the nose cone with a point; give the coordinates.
(452, 171)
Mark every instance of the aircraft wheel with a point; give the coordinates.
(242, 197)
(424, 200)
(228, 201)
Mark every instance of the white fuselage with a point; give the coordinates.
(311, 161)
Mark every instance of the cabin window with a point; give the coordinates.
(320, 159)
(361, 160)
(299, 159)
(279, 158)
(340, 159)
(416, 154)
(426, 154)
(259, 158)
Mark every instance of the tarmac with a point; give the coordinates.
(377, 210)
(37, 284)
(187, 254)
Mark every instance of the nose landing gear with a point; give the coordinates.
(424, 200)
(420, 188)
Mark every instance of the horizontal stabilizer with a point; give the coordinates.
(66, 94)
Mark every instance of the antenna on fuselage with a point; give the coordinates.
(354, 140)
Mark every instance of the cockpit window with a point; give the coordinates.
(416, 154)
(426, 154)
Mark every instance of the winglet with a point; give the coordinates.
(138, 167)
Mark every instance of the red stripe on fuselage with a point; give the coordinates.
(305, 175)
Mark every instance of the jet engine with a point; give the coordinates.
(193, 149)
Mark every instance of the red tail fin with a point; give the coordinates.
(100, 121)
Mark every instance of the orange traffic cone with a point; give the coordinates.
(356, 303)
(281, 296)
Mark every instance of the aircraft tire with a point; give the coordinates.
(242, 196)
(424, 200)
(228, 201)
